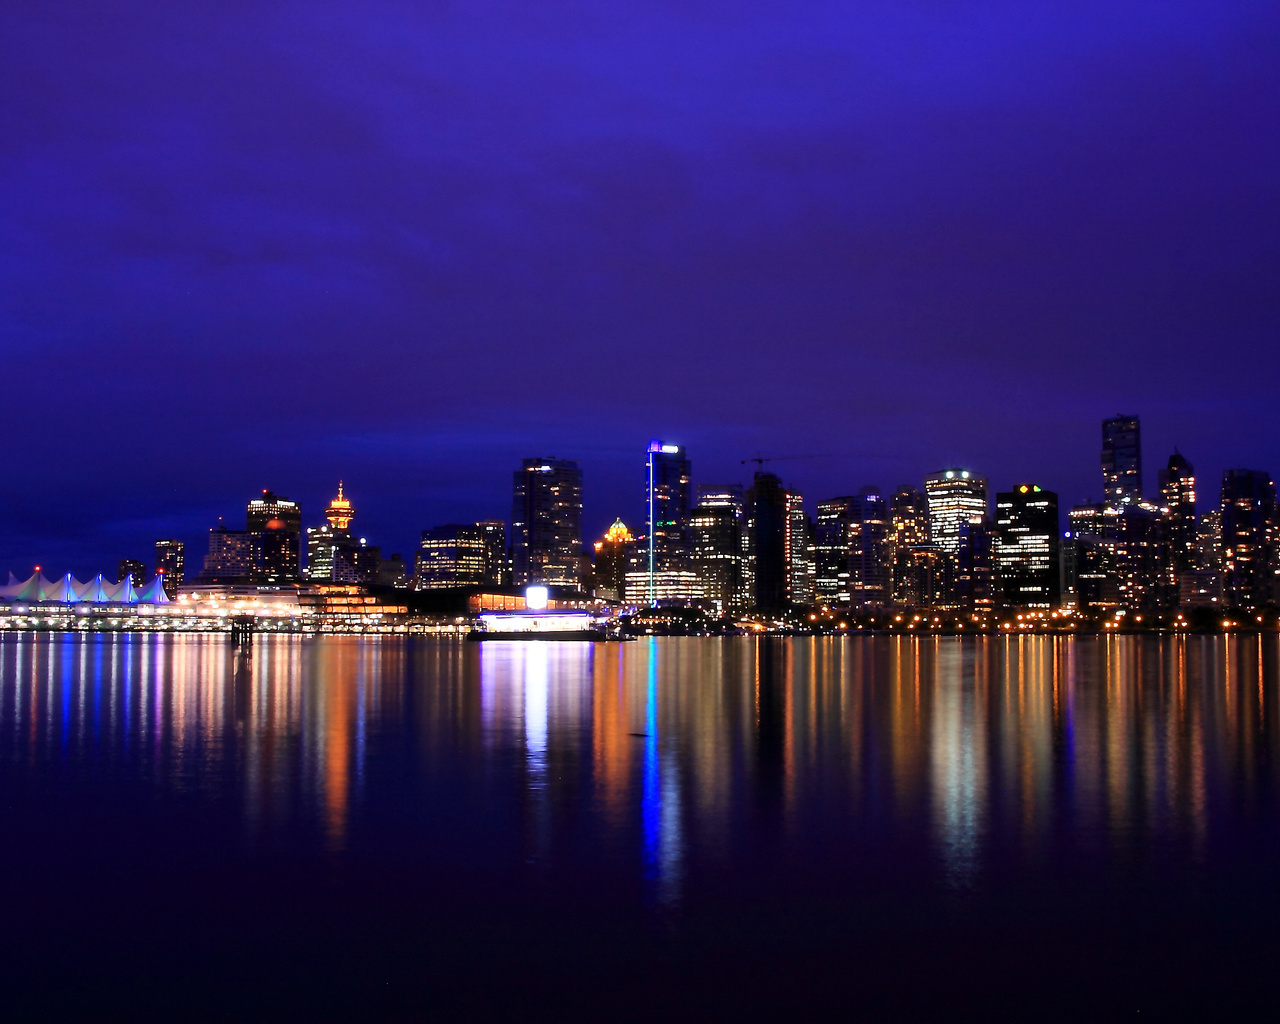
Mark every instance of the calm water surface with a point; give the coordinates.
(869, 827)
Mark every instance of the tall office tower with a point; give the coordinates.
(870, 551)
(170, 563)
(909, 530)
(1178, 495)
(1248, 538)
(1121, 460)
(278, 521)
(333, 554)
(717, 552)
(974, 580)
(235, 556)
(132, 567)
(765, 515)
(609, 566)
(1026, 548)
(831, 547)
(546, 523)
(1083, 556)
(955, 496)
(449, 556)
(798, 544)
(666, 494)
(497, 569)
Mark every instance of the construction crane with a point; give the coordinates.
(760, 460)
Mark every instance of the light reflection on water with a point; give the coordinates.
(674, 757)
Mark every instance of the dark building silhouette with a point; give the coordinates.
(609, 565)
(131, 567)
(765, 514)
(1026, 548)
(974, 581)
(1121, 460)
(497, 567)
(546, 523)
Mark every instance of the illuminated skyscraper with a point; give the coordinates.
(1178, 495)
(667, 476)
(955, 497)
(131, 567)
(234, 556)
(913, 576)
(1122, 460)
(278, 523)
(799, 551)
(170, 563)
(831, 546)
(546, 523)
(717, 552)
(1026, 548)
(497, 567)
(853, 551)
(1248, 538)
(450, 556)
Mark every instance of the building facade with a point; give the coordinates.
(171, 565)
(1027, 567)
(546, 523)
(449, 556)
(1122, 460)
(668, 476)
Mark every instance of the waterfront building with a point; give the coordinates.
(667, 485)
(449, 556)
(546, 523)
(1122, 460)
(716, 533)
(765, 529)
(1178, 497)
(278, 522)
(1248, 510)
(955, 497)
(1026, 548)
(497, 566)
(609, 567)
(665, 587)
(234, 556)
(333, 554)
(170, 565)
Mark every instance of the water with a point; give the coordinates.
(392, 829)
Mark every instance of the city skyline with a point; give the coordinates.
(387, 245)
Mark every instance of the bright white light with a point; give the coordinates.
(670, 449)
(535, 598)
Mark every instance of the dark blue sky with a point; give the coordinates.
(268, 244)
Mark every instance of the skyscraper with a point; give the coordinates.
(452, 555)
(278, 523)
(667, 479)
(831, 547)
(1248, 538)
(1026, 548)
(717, 552)
(609, 571)
(497, 568)
(1121, 460)
(546, 523)
(913, 576)
(1178, 496)
(955, 496)
(234, 556)
(798, 544)
(765, 513)
(170, 563)
(131, 567)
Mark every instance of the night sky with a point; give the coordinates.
(256, 244)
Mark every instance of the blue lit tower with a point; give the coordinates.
(667, 476)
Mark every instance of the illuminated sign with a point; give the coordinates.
(535, 598)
